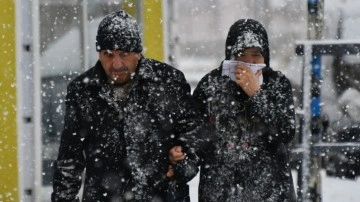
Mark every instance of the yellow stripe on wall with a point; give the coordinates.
(152, 16)
(130, 6)
(151, 19)
(8, 136)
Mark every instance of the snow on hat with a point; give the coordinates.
(119, 31)
(248, 39)
(247, 33)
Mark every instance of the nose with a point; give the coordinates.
(117, 62)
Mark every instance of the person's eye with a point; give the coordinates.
(124, 54)
(241, 54)
(257, 55)
(108, 54)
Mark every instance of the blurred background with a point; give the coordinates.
(48, 43)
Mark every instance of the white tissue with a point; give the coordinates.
(229, 67)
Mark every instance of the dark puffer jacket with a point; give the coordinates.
(124, 149)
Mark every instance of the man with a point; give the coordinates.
(122, 117)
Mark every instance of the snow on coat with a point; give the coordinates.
(123, 149)
(248, 159)
(246, 155)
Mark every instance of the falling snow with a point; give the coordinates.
(197, 33)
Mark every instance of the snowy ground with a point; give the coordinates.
(333, 189)
(338, 190)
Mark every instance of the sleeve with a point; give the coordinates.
(198, 140)
(272, 111)
(170, 107)
(69, 166)
(189, 130)
(193, 127)
(200, 98)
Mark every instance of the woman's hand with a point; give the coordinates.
(247, 80)
(170, 172)
(176, 154)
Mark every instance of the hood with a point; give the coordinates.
(247, 33)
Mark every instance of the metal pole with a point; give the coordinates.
(316, 21)
(165, 29)
(84, 36)
(37, 146)
(25, 105)
(171, 54)
(315, 32)
(303, 194)
(308, 173)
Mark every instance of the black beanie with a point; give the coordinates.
(119, 31)
(247, 33)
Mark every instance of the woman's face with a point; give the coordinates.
(250, 55)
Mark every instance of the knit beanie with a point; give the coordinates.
(119, 31)
(247, 33)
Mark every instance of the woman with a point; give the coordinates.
(251, 114)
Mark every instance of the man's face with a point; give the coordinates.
(119, 65)
(250, 55)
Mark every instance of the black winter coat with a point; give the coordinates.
(248, 159)
(124, 149)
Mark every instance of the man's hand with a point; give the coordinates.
(176, 154)
(170, 172)
(247, 80)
